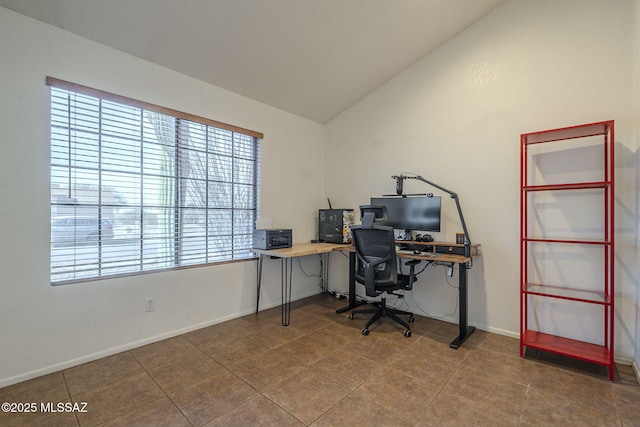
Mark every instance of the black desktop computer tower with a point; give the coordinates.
(334, 225)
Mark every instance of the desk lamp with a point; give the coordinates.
(467, 240)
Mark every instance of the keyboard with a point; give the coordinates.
(410, 252)
(404, 251)
(430, 254)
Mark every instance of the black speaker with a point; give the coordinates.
(334, 225)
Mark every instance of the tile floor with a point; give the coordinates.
(321, 371)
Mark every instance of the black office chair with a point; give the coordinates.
(377, 268)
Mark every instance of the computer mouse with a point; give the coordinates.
(417, 251)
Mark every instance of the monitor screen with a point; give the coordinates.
(411, 213)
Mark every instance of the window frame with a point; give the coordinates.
(178, 204)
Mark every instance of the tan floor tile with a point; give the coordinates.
(257, 412)
(47, 388)
(101, 372)
(374, 347)
(117, 399)
(487, 390)
(626, 375)
(37, 419)
(357, 410)
(251, 322)
(265, 372)
(232, 350)
(201, 337)
(208, 399)
(583, 388)
(230, 327)
(307, 395)
(446, 330)
(498, 343)
(306, 350)
(423, 324)
(336, 334)
(159, 413)
(425, 368)
(510, 366)
(551, 409)
(325, 305)
(341, 318)
(346, 367)
(627, 398)
(438, 346)
(185, 371)
(163, 352)
(325, 302)
(273, 313)
(36, 392)
(274, 336)
(453, 410)
(399, 393)
(430, 346)
(306, 323)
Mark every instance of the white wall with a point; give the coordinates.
(44, 328)
(456, 116)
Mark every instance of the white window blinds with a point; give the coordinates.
(137, 189)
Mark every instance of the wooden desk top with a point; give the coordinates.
(302, 249)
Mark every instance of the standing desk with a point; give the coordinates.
(304, 249)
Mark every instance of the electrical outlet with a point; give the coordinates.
(149, 304)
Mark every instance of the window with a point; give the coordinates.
(136, 187)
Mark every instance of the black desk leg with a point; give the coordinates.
(259, 269)
(324, 271)
(464, 330)
(352, 286)
(285, 275)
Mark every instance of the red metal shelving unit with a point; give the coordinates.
(532, 283)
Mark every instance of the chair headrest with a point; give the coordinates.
(372, 213)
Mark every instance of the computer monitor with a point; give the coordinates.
(411, 213)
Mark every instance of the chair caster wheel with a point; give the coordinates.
(365, 331)
(407, 333)
(412, 319)
(352, 316)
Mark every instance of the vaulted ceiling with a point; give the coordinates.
(313, 58)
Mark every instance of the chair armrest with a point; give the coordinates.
(412, 268)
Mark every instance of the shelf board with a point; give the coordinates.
(571, 186)
(582, 131)
(571, 294)
(572, 241)
(567, 347)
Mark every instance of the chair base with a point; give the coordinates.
(383, 311)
